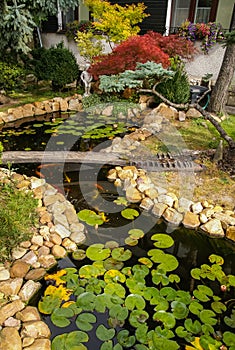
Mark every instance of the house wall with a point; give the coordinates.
(224, 12)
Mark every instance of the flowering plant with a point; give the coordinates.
(209, 33)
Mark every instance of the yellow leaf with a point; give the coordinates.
(196, 345)
(56, 277)
(58, 292)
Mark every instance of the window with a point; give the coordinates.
(180, 12)
(202, 11)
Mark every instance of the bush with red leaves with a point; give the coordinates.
(149, 47)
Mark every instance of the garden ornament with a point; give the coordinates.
(86, 78)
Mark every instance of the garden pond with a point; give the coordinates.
(134, 284)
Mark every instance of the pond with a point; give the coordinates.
(136, 283)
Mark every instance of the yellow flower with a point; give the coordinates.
(56, 277)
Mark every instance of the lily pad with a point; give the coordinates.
(129, 213)
(162, 240)
(166, 318)
(115, 289)
(79, 254)
(119, 312)
(90, 217)
(114, 276)
(98, 252)
(121, 254)
(208, 317)
(88, 271)
(111, 263)
(86, 301)
(131, 241)
(104, 333)
(138, 317)
(135, 301)
(84, 321)
(179, 309)
(72, 341)
(136, 233)
(60, 317)
(125, 339)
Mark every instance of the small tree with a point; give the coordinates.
(117, 22)
(19, 18)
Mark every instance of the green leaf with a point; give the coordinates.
(216, 259)
(86, 301)
(98, 252)
(111, 263)
(76, 337)
(58, 343)
(145, 261)
(60, 316)
(229, 338)
(129, 214)
(119, 312)
(196, 273)
(135, 301)
(121, 254)
(203, 293)
(162, 240)
(138, 317)
(131, 241)
(141, 333)
(166, 318)
(48, 304)
(115, 288)
(125, 339)
(90, 217)
(136, 233)
(79, 254)
(193, 327)
(163, 343)
(104, 333)
(218, 307)
(179, 309)
(107, 345)
(195, 307)
(230, 321)
(207, 316)
(84, 321)
(88, 271)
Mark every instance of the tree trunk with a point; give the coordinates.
(220, 90)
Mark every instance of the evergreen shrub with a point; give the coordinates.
(57, 64)
(10, 76)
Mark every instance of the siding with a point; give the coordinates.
(157, 10)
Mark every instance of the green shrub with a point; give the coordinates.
(10, 76)
(177, 89)
(17, 218)
(57, 64)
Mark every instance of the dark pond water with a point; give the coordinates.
(84, 129)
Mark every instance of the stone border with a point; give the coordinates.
(57, 104)
(59, 232)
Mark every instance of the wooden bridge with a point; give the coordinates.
(154, 163)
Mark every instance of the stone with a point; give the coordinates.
(197, 208)
(38, 240)
(69, 244)
(172, 216)
(23, 184)
(63, 105)
(28, 110)
(61, 231)
(78, 237)
(181, 116)
(147, 204)
(60, 219)
(45, 218)
(165, 199)
(40, 344)
(75, 105)
(55, 106)
(30, 258)
(71, 215)
(203, 218)
(47, 261)
(43, 251)
(230, 233)
(35, 274)
(35, 182)
(10, 339)
(227, 219)
(133, 195)
(38, 111)
(213, 227)
(55, 238)
(112, 175)
(158, 209)
(27, 341)
(10, 309)
(29, 289)
(152, 193)
(166, 111)
(191, 220)
(108, 111)
(193, 113)
(35, 329)
(58, 251)
(11, 286)
(18, 252)
(12, 322)
(30, 313)
(50, 199)
(4, 274)
(39, 104)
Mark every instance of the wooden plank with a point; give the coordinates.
(61, 157)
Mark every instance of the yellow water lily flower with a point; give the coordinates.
(196, 345)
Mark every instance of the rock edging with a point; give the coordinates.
(57, 104)
(139, 188)
(59, 232)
